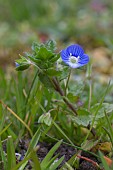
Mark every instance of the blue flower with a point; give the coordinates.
(17, 65)
(74, 56)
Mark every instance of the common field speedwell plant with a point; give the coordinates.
(47, 63)
(53, 71)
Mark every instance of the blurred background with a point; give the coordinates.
(88, 23)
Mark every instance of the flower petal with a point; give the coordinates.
(64, 55)
(84, 59)
(74, 65)
(75, 49)
(17, 64)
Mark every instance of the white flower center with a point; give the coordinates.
(73, 59)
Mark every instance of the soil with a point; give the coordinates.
(85, 165)
(64, 149)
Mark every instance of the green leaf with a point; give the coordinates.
(83, 118)
(96, 110)
(46, 160)
(36, 165)
(52, 161)
(62, 132)
(45, 80)
(48, 120)
(56, 163)
(106, 107)
(65, 73)
(45, 118)
(1, 132)
(110, 132)
(11, 159)
(3, 155)
(53, 72)
(34, 141)
(77, 88)
(44, 54)
(72, 98)
(2, 120)
(68, 166)
(54, 58)
(32, 145)
(22, 60)
(22, 67)
(70, 162)
(35, 46)
(37, 61)
(51, 45)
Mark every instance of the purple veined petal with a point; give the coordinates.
(64, 55)
(75, 49)
(84, 59)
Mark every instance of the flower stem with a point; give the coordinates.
(90, 94)
(61, 92)
(67, 82)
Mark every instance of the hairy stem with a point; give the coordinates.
(67, 82)
(61, 92)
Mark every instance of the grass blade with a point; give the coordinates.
(32, 146)
(52, 160)
(35, 161)
(3, 156)
(34, 141)
(110, 128)
(106, 167)
(14, 114)
(5, 129)
(46, 160)
(11, 159)
(95, 114)
(22, 162)
(56, 163)
(60, 130)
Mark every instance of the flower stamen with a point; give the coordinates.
(73, 59)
